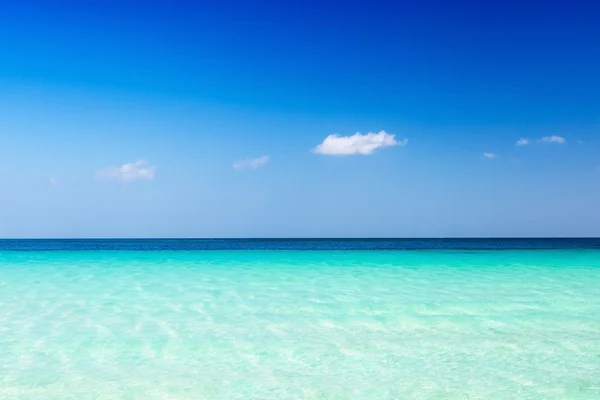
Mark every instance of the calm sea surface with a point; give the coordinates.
(300, 319)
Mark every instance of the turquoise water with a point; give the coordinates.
(288, 324)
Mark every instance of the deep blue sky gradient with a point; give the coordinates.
(194, 86)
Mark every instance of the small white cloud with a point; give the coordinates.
(127, 173)
(490, 155)
(553, 139)
(522, 142)
(53, 181)
(357, 143)
(251, 163)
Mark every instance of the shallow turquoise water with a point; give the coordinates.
(300, 324)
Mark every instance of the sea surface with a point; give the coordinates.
(300, 319)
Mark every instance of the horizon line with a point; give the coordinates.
(311, 238)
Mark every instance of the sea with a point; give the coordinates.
(452, 319)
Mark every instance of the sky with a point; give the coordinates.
(299, 118)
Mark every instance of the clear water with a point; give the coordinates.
(135, 320)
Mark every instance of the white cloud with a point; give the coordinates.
(553, 139)
(53, 181)
(357, 143)
(545, 139)
(522, 142)
(490, 155)
(127, 172)
(251, 163)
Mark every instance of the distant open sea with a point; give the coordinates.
(198, 319)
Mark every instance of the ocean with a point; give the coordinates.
(300, 319)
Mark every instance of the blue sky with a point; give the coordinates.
(214, 119)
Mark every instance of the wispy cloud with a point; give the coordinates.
(553, 139)
(490, 155)
(522, 142)
(127, 173)
(251, 163)
(357, 143)
(53, 180)
(545, 139)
